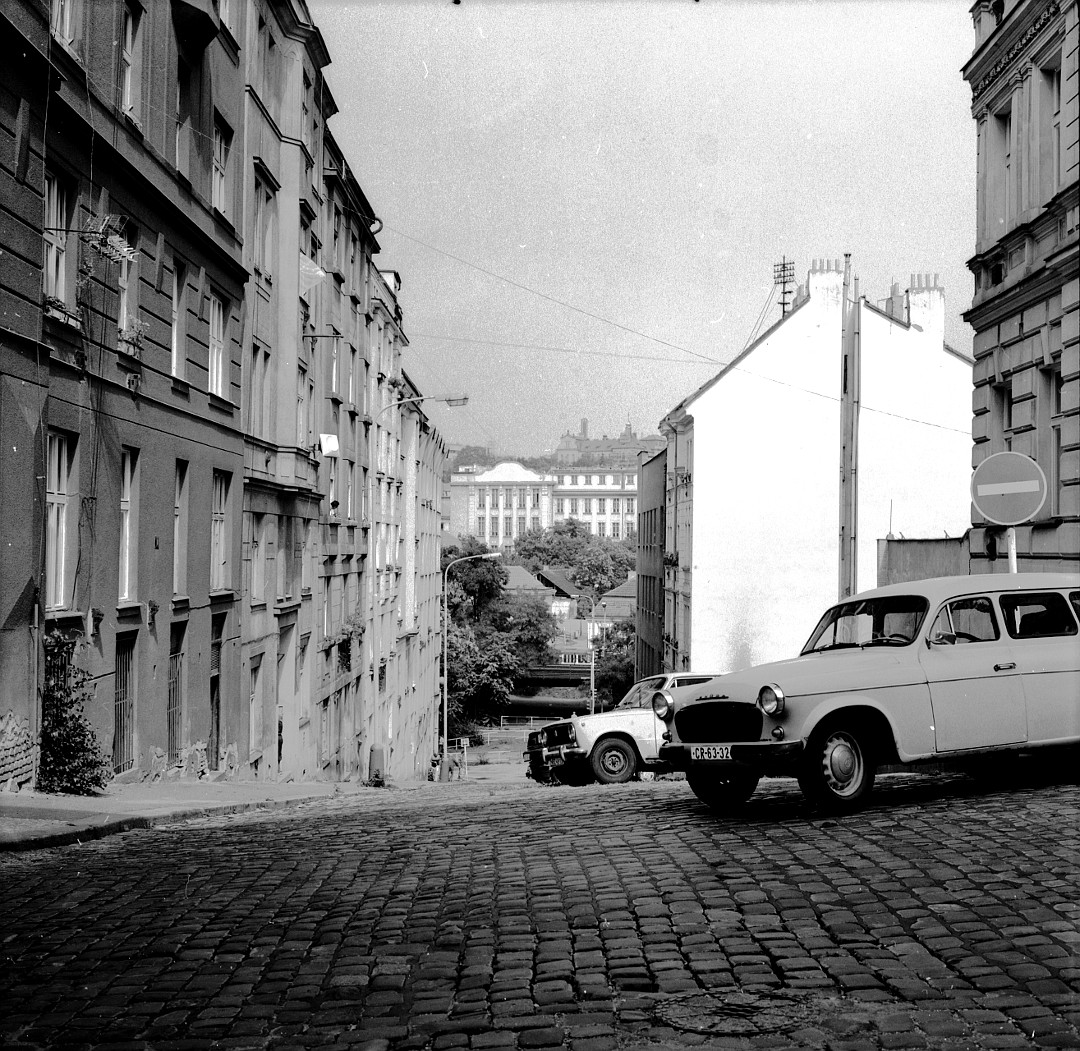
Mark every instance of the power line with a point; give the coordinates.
(550, 299)
(566, 350)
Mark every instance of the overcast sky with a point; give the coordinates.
(585, 199)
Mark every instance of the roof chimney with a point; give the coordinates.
(584, 428)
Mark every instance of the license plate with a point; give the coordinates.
(555, 760)
(710, 751)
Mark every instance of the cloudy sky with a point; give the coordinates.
(585, 199)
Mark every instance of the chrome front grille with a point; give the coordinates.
(718, 721)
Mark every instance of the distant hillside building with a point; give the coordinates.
(499, 504)
(622, 451)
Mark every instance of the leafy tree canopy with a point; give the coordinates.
(472, 586)
(615, 661)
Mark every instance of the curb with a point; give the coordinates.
(135, 821)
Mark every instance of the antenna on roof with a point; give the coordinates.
(783, 274)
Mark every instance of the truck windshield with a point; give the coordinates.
(889, 621)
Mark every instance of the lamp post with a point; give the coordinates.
(453, 400)
(592, 653)
(444, 770)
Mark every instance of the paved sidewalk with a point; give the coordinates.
(30, 820)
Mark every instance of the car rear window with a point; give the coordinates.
(1037, 615)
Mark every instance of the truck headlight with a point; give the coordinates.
(771, 699)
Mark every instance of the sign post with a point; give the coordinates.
(1008, 489)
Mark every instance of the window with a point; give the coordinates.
(58, 493)
(260, 369)
(333, 489)
(54, 234)
(534, 522)
(258, 559)
(179, 319)
(184, 111)
(573, 506)
(352, 375)
(124, 681)
(508, 527)
(560, 506)
(601, 529)
(129, 65)
(219, 189)
(965, 620)
(601, 506)
(520, 524)
(480, 523)
(335, 364)
(127, 311)
(63, 20)
(305, 113)
(255, 727)
(350, 477)
(586, 506)
(1007, 189)
(265, 209)
(217, 345)
(493, 527)
(629, 505)
(615, 531)
(180, 529)
(1004, 400)
(615, 505)
(301, 412)
(220, 577)
(1033, 616)
(175, 705)
(129, 526)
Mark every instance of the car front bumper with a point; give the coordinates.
(763, 756)
(557, 756)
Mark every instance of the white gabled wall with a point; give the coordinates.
(766, 478)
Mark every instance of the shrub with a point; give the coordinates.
(71, 759)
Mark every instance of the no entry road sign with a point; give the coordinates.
(1008, 488)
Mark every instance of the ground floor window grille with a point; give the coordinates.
(124, 706)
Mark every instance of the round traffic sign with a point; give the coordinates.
(1008, 488)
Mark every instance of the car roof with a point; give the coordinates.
(937, 589)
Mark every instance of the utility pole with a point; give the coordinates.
(783, 274)
(850, 394)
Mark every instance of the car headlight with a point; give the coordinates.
(771, 699)
(662, 705)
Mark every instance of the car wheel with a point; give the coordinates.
(838, 768)
(613, 762)
(721, 792)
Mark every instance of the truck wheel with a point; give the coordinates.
(613, 762)
(722, 791)
(838, 768)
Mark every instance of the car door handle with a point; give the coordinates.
(1005, 667)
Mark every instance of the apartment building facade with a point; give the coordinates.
(122, 294)
(1026, 304)
(193, 338)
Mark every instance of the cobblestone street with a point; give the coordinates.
(517, 916)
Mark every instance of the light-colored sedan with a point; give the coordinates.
(972, 670)
(609, 747)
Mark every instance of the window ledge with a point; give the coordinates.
(222, 595)
(128, 609)
(62, 616)
(286, 605)
(336, 398)
(181, 386)
(180, 602)
(218, 402)
(258, 603)
(59, 311)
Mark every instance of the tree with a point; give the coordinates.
(601, 566)
(527, 625)
(558, 545)
(615, 661)
(476, 583)
(480, 676)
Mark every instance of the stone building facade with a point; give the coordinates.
(193, 339)
(1026, 306)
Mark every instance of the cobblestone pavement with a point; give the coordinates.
(521, 917)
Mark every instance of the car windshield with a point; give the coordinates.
(888, 621)
(641, 693)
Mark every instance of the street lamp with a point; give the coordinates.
(444, 769)
(453, 400)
